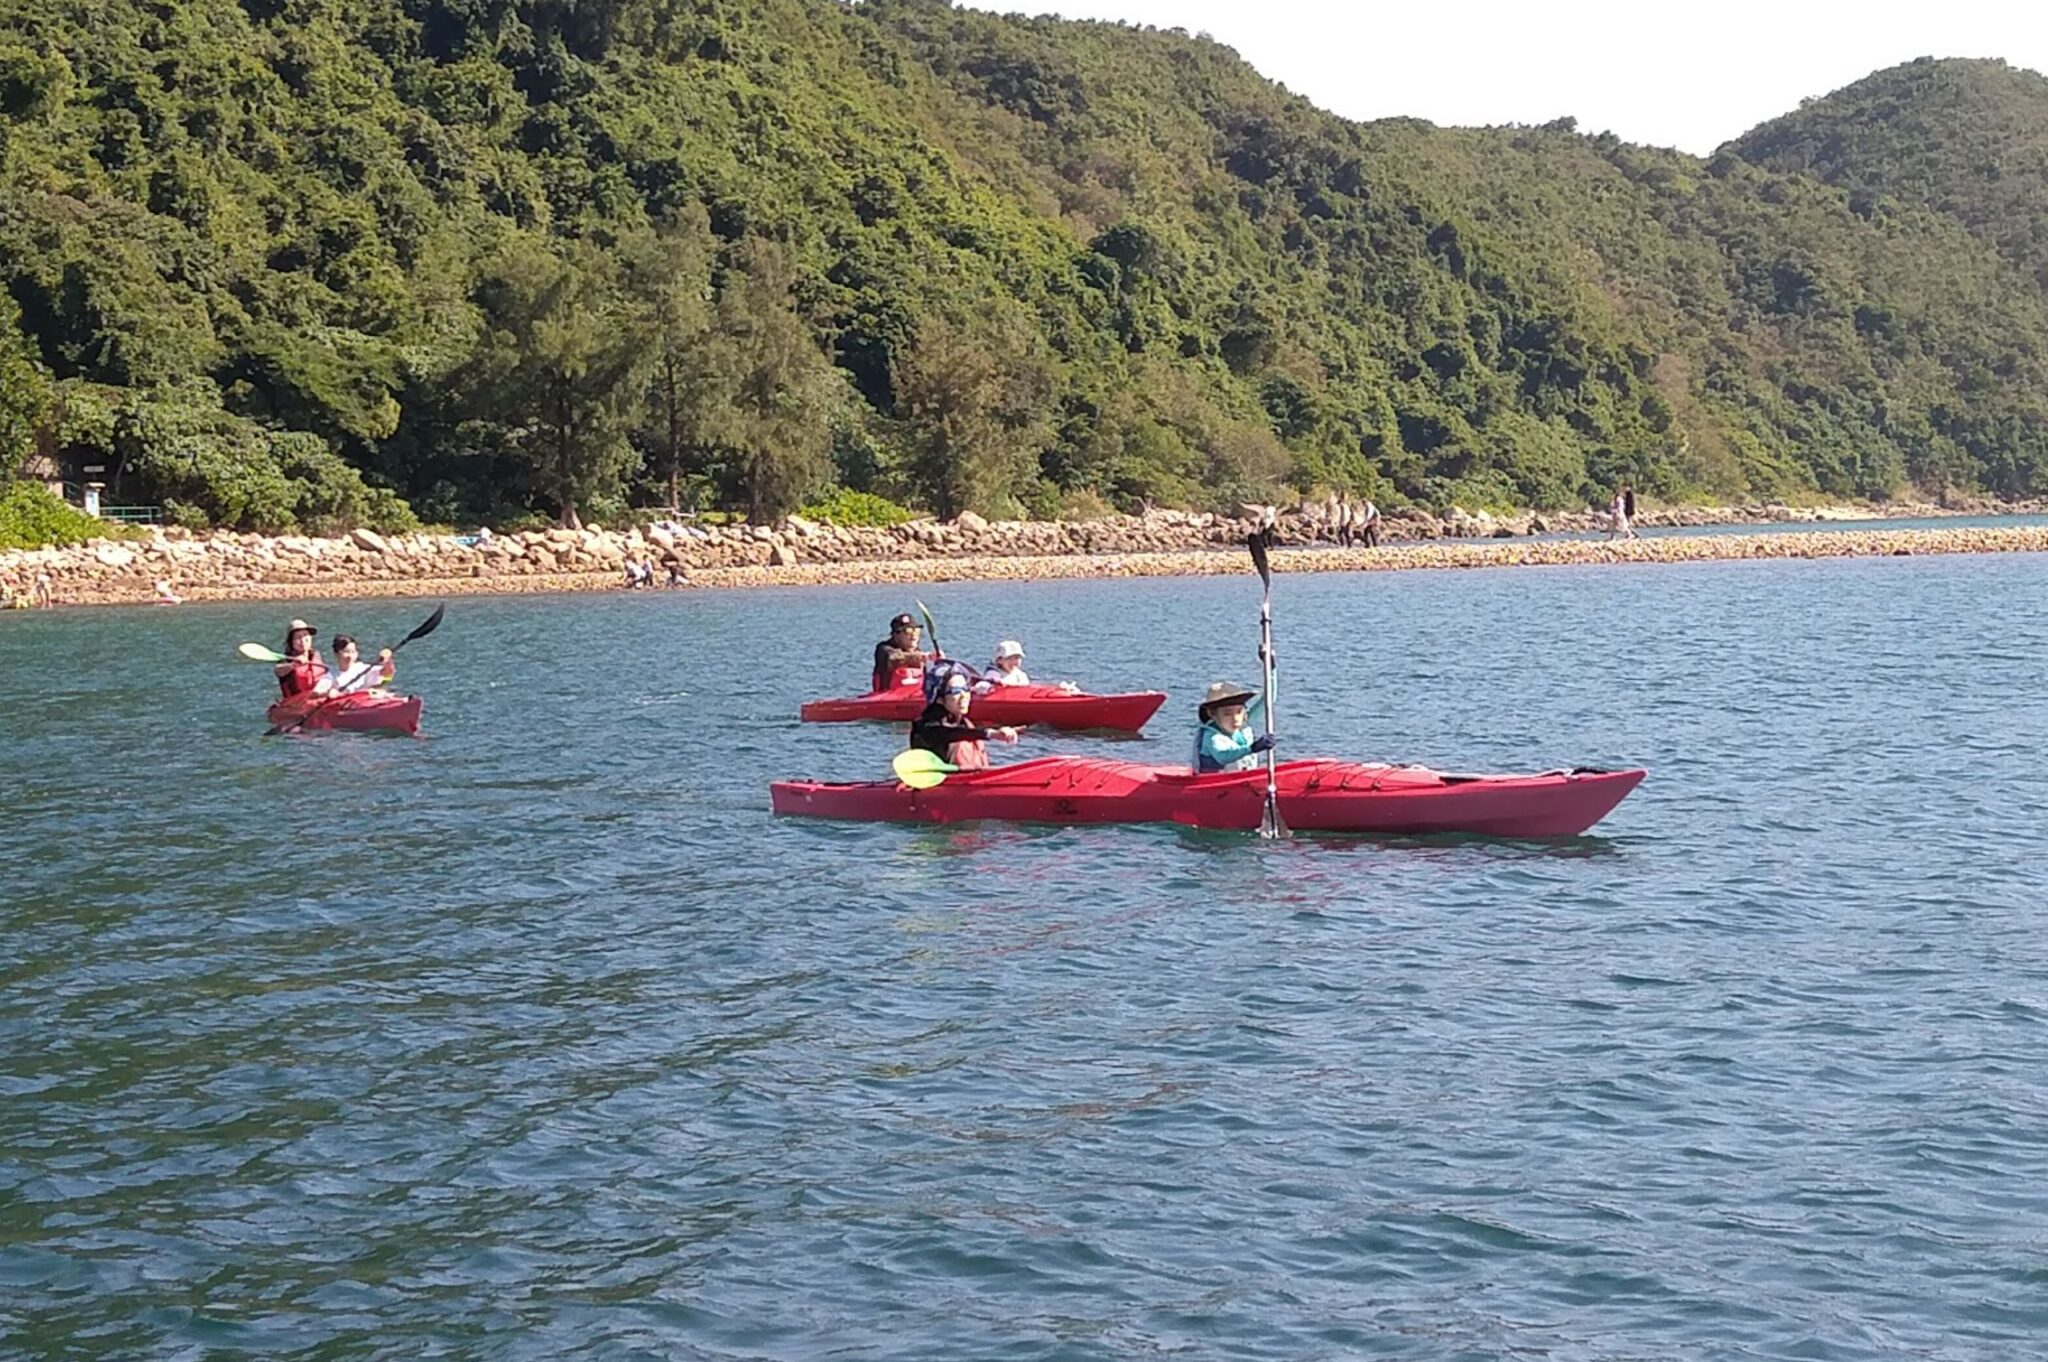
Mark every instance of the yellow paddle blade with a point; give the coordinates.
(919, 769)
(256, 652)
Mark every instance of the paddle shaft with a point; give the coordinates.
(1269, 819)
(1270, 823)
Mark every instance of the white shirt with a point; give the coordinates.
(363, 676)
(1013, 677)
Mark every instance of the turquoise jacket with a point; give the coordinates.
(1216, 750)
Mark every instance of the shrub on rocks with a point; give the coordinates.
(844, 507)
(31, 516)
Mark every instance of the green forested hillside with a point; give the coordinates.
(1968, 138)
(289, 261)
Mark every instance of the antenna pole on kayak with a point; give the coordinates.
(1258, 542)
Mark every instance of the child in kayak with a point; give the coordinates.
(352, 675)
(1008, 670)
(898, 659)
(945, 730)
(1224, 742)
(302, 669)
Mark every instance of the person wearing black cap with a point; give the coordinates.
(898, 659)
(302, 669)
(1224, 742)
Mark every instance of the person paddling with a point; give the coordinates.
(303, 669)
(351, 674)
(945, 730)
(1224, 742)
(898, 659)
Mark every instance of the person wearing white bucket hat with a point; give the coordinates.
(1008, 668)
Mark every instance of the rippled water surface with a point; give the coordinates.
(539, 1037)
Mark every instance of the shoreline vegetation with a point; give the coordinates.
(222, 565)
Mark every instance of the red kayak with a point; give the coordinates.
(1317, 795)
(1001, 707)
(357, 712)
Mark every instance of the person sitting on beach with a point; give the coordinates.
(898, 659)
(1224, 742)
(352, 674)
(302, 669)
(945, 730)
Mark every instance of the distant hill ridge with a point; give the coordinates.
(287, 261)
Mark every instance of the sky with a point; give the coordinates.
(1690, 76)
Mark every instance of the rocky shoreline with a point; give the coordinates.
(227, 566)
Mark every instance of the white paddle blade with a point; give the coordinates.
(256, 652)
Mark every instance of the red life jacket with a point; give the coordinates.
(302, 677)
(969, 755)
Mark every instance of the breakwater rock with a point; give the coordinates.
(224, 566)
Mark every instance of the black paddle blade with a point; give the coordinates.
(1256, 542)
(433, 623)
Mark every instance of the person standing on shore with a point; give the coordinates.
(1367, 524)
(1621, 513)
(46, 595)
(302, 669)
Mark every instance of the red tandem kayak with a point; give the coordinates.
(1316, 795)
(998, 708)
(359, 712)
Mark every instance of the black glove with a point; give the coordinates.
(1264, 742)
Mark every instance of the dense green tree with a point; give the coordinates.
(25, 394)
(779, 392)
(560, 370)
(670, 275)
(976, 408)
